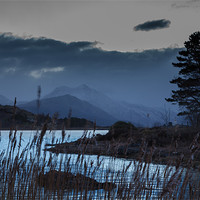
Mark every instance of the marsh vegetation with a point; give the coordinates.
(29, 172)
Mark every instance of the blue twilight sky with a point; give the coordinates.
(122, 48)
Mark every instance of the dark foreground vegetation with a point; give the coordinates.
(32, 173)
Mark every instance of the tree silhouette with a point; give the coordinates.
(188, 94)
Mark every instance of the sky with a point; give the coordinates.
(122, 48)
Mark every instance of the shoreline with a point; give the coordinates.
(159, 161)
(163, 146)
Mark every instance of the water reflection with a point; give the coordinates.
(102, 168)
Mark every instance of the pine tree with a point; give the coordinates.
(188, 94)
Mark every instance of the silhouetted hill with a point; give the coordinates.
(22, 118)
(63, 104)
(27, 120)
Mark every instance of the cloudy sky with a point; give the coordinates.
(123, 48)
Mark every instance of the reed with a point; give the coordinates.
(31, 173)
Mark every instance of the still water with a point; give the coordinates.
(71, 135)
(109, 165)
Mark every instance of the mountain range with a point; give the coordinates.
(65, 104)
(86, 102)
(139, 115)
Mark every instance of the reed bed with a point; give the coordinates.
(23, 174)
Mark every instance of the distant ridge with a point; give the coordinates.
(139, 115)
(59, 91)
(22, 118)
(27, 120)
(63, 104)
(83, 92)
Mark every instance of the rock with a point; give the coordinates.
(55, 180)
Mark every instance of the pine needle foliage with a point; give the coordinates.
(188, 93)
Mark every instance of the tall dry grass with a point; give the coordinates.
(21, 171)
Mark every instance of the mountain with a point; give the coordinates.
(139, 115)
(5, 101)
(82, 92)
(63, 104)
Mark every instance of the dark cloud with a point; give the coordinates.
(27, 54)
(153, 25)
(26, 63)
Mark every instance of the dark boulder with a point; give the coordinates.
(55, 180)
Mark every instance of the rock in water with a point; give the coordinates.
(55, 180)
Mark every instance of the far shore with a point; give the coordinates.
(160, 145)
